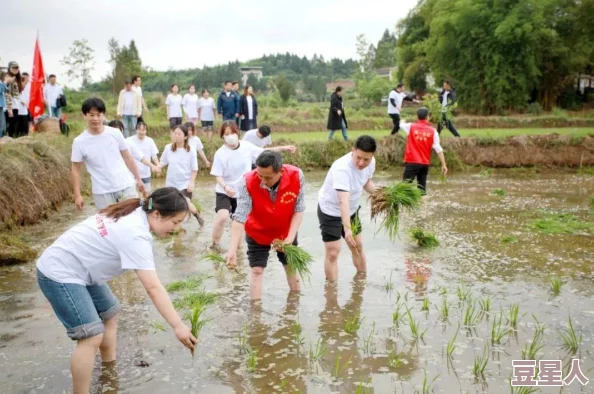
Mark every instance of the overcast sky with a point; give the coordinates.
(191, 33)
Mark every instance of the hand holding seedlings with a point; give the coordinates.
(231, 260)
(184, 335)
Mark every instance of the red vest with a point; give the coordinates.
(420, 143)
(271, 220)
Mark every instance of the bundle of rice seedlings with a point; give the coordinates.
(389, 200)
(188, 284)
(298, 260)
(196, 321)
(356, 226)
(425, 239)
(214, 257)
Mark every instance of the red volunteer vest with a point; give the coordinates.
(420, 143)
(271, 220)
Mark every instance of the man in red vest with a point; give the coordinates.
(422, 137)
(270, 206)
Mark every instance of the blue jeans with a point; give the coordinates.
(344, 132)
(2, 122)
(56, 112)
(81, 309)
(129, 125)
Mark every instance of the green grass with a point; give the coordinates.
(556, 285)
(509, 239)
(561, 223)
(188, 284)
(191, 299)
(499, 192)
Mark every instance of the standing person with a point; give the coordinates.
(190, 104)
(231, 162)
(339, 203)
(129, 108)
(248, 110)
(25, 98)
(336, 117)
(136, 86)
(73, 273)
(105, 154)
(227, 103)
(207, 113)
(3, 92)
(16, 126)
(194, 142)
(235, 89)
(422, 137)
(259, 191)
(174, 107)
(51, 94)
(447, 97)
(182, 161)
(149, 150)
(395, 99)
(259, 137)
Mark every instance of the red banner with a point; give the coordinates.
(36, 103)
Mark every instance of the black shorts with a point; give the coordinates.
(175, 122)
(331, 226)
(418, 171)
(223, 201)
(258, 254)
(207, 124)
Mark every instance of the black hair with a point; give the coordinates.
(52, 76)
(25, 74)
(135, 77)
(172, 85)
(226, 82)
(184, 129)
(168, 201)
(204, 91)
(270, 158)
(116, 124)
(264, 130)
(423, 113)
(338, 89)
(234, 83)
(93, 103)
(400, 85)
(448, 82)
(366, 143)
(140, 124)
(190, 126)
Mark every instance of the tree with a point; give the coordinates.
(375, 89)
(259, 85)
(385, 55)
(365, 55)
(125, 63)
(285, 87)
(80, 62)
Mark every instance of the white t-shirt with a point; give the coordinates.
(99, 249)
(399, 98)
(51, 93)
(252, 136)
(137, 89)
(195, 143)
(250, 104)
(343, 175)
(24, 98)
(233, 164)
(206, 106)
(174, 103)
(190, 103)
(128, 103)
(148, 148)
(180, 165)
(444, 102)
(103, 160)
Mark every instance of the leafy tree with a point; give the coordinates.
(385, 55)
(285, 87)
(365, 55)
(375, 89)
(80, 62)
(125, 63)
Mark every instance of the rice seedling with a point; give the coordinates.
(398, 316)
(480, 363)
(340, 369)
(188, 284)
(499, 192)
(353, 323)
(427, 386)
(189, 300)
(196, 321)
(243, 338)
(213, 257)
(530, 350)
(297, 330)
(464, 293)
(444, 311)
(571, 342)
(158, 326)
(487, 172)
(363, 387)
(556, 285)
(442, 178)
(425, 306)
(356, 227)
(415, 326)
(509, 239)
(514, 315)
(424, 239)
(562, 223)
(451, 344)
(471, 315)
(368, 341)
(388, 202)
(395, 359)
(498, 331)
(298, 260)
(316, 353)
(538, 326)
(389, 285)
(252, 359)
(485, 304)
(523, 389)
(443, 291)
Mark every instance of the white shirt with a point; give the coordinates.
(343, 175)
(195, 143)
(252, 136)
(103, 160)
(190, 103)
(233, 164)
(436, 143)
(99, 249)
(250, 103)
(174, 103)
(398, 98)
(128, 103)
(148, 148)
(206, 106)
(444, 102)
(51, 93)
(137, 89)
(180, 165)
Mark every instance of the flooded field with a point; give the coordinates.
(451, 319)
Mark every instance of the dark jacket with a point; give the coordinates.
(228, 106)
(335, 120)
(243, 110)
(451, 96)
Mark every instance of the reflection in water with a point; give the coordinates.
(109, 379)
(418, 272)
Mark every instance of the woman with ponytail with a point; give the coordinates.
(73, 273)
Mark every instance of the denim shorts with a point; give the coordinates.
(81, 309)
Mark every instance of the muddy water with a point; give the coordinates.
(380, 357)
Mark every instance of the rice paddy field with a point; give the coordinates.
(496, 266)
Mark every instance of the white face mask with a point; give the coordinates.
(232, 139)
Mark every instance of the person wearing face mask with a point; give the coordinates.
(231, 162)
(73, 273)
(273, 189)
(339, 201)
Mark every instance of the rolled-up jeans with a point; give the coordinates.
(344, 132)
(129, 125)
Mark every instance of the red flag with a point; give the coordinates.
(36, 103)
